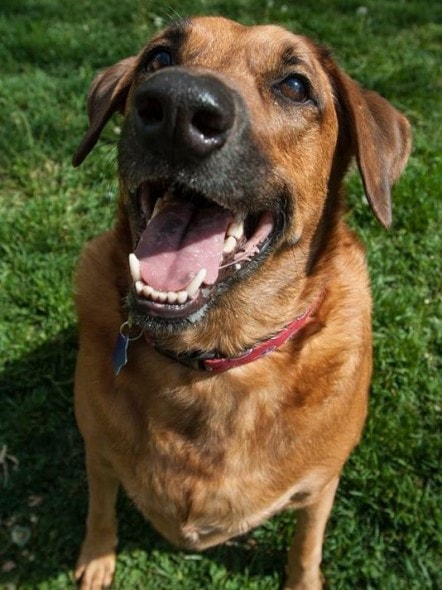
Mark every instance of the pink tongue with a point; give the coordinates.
(179, 241)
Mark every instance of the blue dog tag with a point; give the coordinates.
(119, 356)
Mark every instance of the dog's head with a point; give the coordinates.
(234, 145)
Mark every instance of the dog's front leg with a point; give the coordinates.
(304, 559)
(96, 564)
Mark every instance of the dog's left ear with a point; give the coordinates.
(107, 95)
(381, 141)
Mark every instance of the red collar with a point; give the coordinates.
(215, 363)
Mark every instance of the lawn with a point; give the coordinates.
(385, 531)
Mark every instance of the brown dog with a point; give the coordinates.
(244, 312)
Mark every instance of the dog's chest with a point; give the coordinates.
(205, 472)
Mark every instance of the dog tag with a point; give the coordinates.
(119, 356)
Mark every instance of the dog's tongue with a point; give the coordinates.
(179, 241)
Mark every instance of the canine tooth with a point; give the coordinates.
(236, 229)
(229, 245)
(237, 266)
(196, 282)
(182, 297)
(139, 286)
(134, 265)
(172, 297)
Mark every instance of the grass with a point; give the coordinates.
(385, 532)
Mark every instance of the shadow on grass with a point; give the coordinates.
(45, 495)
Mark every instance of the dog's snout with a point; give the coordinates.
(184, 116)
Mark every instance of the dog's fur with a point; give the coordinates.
(208, 456)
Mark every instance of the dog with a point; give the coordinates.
(225, 349)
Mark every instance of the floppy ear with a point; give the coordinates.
(381, 141)
(107, 95)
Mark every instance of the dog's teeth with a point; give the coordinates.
(155, 295)
(172, 297)
(182, 297)
(229, 245)
(236, 229)
(139, 286)
(196, 282)
(159, 296)
(147, 291)
(135, 269)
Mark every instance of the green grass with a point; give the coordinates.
(385, 532)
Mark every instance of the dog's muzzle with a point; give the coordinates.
(200, 197)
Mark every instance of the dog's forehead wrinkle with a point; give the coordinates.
(286, 47)
(270, 61)
(207, 50)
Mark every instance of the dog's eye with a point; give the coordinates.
(159, 58)
(294, 88)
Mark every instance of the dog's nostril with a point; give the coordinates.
(151, 111)
(208, 124)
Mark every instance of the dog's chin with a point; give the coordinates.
(163, 318)
(224, 246)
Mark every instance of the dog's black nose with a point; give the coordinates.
(182, 115)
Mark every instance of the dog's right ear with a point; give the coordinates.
(381, 141)
(107, 95)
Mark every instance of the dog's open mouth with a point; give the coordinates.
(186, 245)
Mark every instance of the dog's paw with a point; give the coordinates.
(95, 573)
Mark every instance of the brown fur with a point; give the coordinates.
(205, 457)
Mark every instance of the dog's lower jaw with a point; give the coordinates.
(162, 319)
(143, 315)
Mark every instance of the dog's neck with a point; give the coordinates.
(214, 362)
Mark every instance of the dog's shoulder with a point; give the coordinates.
(101, 281)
